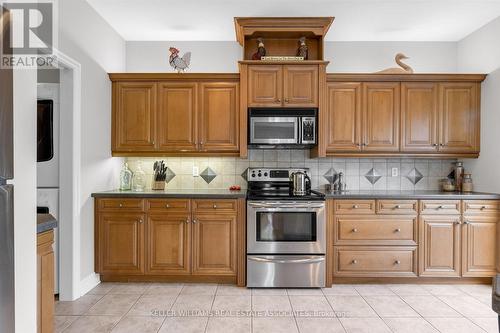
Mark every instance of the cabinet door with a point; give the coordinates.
(459, 117)
(214, 244)
(419, 117)
(168, 239)
(479, 246)
(265, 86)
(381, 116)
(134, 116)
(300, 85)
(121, 240)
(439, 246)
(343, 117)
(177, 127)
(219, 116)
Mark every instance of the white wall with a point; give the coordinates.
(343, 56)
(480, 53)
(88, 39)
(25, 199)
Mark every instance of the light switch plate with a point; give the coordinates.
(196, 172)
(394, 172)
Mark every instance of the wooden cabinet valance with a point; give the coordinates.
(430, 115)
(175, 114)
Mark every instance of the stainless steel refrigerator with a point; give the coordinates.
(6, 192)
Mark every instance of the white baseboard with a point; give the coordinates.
(88, 283)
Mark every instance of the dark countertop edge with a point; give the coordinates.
(45, 222)
(429, 196)
(229, 195)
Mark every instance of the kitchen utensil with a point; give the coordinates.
(301, 183)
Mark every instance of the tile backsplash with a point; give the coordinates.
(361, 174)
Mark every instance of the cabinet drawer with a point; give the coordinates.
(121, 204)
(214, 206)
(440, 207)
(366, 230)
(479, 207)
(354, 207)
(375, 261)
(397, 207)
(168, 205)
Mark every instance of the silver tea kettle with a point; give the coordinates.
(301, 183)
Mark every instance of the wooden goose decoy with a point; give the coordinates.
(405, 69)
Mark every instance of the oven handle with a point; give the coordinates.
(258, 205)
(310, 260)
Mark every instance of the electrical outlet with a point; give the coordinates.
(196, 173)
(394, 172)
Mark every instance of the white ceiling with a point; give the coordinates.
(355, 20)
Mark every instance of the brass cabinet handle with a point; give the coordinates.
(397, 230)
(397, 262)
(354, 230)
(215, 206)
(354, 262)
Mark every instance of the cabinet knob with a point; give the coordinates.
(215, 206)
(439, 207)
(354, 230)
(398, 207)
(141, 221)
(483, 207)
(120, 205)
(456, 222)
(167, 206)
(434, 144)
(355, 206)
(397, 262)
(442, 145)
(187, 220)
(278, 100)
(466, 222)
(397, 230)
(354, 262)
(286, 100)
(194, 221)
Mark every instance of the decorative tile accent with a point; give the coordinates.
(414, 176)
(244, 175)
(169, 175)
(330, 175)
(208, 175)
(373, 176)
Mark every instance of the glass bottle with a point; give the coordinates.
(139, 182)
(125, 178)
(467, 185)
(459, 174)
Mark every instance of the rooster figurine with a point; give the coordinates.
(261, 50)
(178, 63)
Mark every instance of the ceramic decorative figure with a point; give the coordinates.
(261, 50)
(302, 51)
(125, 178)
(180, 64)
(139, 179)
(403, 69)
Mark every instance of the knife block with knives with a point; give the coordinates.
(159, 176)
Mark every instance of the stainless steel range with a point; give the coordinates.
(286, 233)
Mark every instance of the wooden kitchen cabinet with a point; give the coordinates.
(177, 117)
(169, 244)
(419, 117)
(459, 117)
(380, 120)
(265, 86)
(440, 246)
(134, 105)
(45, 282)
(479, 246)
(283, 85)
(219, 116)
(121, 238)
(343, 116)
(214, 244)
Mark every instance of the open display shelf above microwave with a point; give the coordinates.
(282, 128)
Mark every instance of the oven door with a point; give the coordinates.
(286, 227)
(274, 130)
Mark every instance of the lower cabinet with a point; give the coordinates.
(45, 282)
(439, 246)
(479, 246)
(167, 238)
(214, 244)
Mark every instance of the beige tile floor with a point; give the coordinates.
(174, 307)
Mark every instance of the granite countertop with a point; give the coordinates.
(187, 193)
(45, 222)
(411, 195)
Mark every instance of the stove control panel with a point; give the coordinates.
(275, 175)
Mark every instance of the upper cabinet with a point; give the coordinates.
(410, 115)
(172, 114)
(134, 105)
(283, 85)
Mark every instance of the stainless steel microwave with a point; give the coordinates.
(282, 127)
